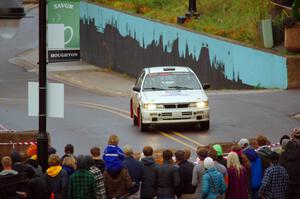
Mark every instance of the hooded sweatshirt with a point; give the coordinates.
(113, 157)
(264, 153)
(148, 189)
(57, 182)
(8, 172)
(290, 160)
(256, 168)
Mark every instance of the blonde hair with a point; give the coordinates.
(53, 160)
(69, 161)
(113, 140)
(6, 161)
(234, 162)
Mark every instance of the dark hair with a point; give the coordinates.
(212, 153)
(15, 156)
(167, 154)
(89, 161)
(82, 162)
(95, 151)
(274, 157)
(179, 154)
(69, 148)
(202, 152)
(148, 151)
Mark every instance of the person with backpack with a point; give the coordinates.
(213, 184)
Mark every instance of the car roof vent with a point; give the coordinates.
(169, 69)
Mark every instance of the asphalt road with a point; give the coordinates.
(90, 118)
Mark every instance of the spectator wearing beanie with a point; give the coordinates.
(290, 160)
(136, 172)
(199, 170)
(113, 156)
(220, 158)
(213, 184)
(185, 190)
(82, 184)
(167, 177)
(32, 161)
(56, 178)
(256, 172)
(99, 163)
(263, 151)
(237, 178)
(148, 189)
(275, 180)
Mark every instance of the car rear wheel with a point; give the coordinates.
(204, 125)
(143, 127)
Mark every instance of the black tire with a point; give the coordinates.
(135, 120)
(143, 127)
(204, 125)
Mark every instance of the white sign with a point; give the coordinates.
(55, 99)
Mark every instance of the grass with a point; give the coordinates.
(234, 19)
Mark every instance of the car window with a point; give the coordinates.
(139, 81)
(171, 81)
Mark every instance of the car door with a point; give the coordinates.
(136, 95)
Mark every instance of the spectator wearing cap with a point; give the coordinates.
(113, 156)
(237, 178)
(148, 189)
(263, 151)
(82, 184)
(275, 180)
(69, 151)
(255, 165)
(199, 170)
(56, 178)
(167, 177)
(100, 188)
(213, 183)
(32, 160)
(136, 172)
(99, 163)
(220, 158)
(290, 160)
(283, 142)
(185, 169)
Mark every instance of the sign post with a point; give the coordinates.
(63, 36)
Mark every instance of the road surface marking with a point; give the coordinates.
(176, 140)
(187, 138)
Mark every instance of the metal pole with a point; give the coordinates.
(42, 140)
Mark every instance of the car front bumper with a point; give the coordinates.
(160, 116)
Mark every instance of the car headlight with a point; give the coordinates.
(203, 104)
(152, 106)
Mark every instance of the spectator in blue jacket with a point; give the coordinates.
(136, 172)
(213, 183)
(256, 167)
(113, 156)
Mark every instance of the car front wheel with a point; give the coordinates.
(143, 127)
(204, 125)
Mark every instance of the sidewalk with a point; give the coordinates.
(79, 74)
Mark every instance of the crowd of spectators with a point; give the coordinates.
(245, 172)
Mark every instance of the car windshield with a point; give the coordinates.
(171, 81)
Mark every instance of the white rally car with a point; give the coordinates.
(169, 94)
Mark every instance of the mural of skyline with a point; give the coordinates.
(242, 65)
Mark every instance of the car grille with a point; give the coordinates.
(176, 106)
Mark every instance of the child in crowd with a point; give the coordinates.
(113, 156)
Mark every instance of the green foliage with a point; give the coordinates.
(234, 19)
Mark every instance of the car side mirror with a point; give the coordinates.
(206, 86)
(136, 88)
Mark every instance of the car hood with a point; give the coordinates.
(174, 96)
